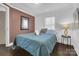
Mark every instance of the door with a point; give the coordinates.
(2, 27)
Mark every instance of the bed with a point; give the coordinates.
(37, 45)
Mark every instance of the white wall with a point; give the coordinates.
(76, 32)
(76, 41)
(39, 22)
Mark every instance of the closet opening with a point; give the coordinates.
(4, 25)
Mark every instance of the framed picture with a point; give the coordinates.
(24, 24)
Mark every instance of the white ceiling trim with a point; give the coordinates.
(20, 9)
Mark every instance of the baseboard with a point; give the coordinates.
(9, 44)
(76, 47)
(77, 50)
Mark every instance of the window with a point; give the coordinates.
(50, 23)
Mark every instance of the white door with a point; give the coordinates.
(2, 27)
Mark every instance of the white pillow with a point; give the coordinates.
(37, 32)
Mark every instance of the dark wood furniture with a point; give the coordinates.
(68, 40)
(66, 37)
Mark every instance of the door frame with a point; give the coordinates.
(7, 36)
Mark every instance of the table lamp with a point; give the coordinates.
(66, 27)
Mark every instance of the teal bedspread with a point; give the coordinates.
(37, 45)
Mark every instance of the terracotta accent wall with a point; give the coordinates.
(15, 16)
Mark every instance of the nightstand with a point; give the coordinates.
(66, 37)
(66, 49)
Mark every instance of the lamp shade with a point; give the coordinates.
(66, 26)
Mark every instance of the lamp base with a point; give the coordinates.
(66, 32)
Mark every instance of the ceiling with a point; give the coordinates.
(2, 8)
(40, 8)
